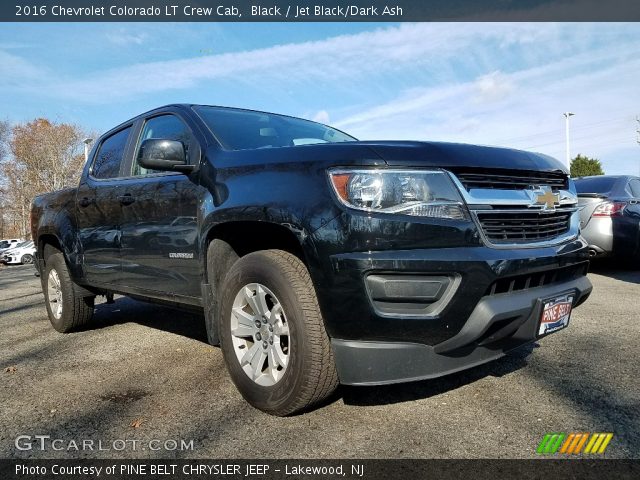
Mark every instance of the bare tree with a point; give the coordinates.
(43, 156)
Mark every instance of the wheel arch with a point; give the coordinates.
(247, 236)
(232, 240)
(51, 240)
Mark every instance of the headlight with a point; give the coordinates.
(422, 193)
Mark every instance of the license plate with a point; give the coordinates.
(555, 314)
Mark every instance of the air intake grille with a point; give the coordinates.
(523, 226)
(538, 279)
(512, 180)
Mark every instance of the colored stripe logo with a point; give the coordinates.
(574, 443)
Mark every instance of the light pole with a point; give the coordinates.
(638, 131)
(87, 144)
(566, 125)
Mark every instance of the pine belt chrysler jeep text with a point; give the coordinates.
(316, 258)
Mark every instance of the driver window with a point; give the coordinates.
(167, 127)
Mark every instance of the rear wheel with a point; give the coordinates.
(67, 311)
(272, 334)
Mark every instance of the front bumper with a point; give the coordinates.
(484, 302)
(497, 325)
(8, 259)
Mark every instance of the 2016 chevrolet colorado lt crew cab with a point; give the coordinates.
(316, 258)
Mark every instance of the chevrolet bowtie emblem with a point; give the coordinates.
(548, 199)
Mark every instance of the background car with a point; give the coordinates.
(23, 253)
(9, 243)
(610, 217)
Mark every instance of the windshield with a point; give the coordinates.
(245, 129)
(24, 244)
(595, 184)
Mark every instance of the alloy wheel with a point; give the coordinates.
(54, 294)
(260, 334)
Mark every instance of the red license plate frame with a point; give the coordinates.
(555, 314)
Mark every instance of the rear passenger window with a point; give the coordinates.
(109, 157)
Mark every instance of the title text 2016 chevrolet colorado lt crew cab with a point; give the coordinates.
(317, 259)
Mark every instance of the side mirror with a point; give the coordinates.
(166, 155)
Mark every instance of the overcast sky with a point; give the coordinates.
(497, 84)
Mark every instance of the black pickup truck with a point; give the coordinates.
(317, 259)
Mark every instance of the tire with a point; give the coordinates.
(67, 311)
(286, 365)
(26, 259)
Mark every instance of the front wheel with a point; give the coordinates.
(67, 311)
(27, 259)
(272, 334)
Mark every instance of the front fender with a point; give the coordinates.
(291, 194)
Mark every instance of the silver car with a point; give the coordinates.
(610, 214)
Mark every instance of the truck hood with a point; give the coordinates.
(392, 154)
(449, 155)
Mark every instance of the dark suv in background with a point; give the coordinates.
(317, 258)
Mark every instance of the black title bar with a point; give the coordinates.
(585, 469)
(317, 10)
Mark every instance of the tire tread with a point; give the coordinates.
(77, 311)
(315, 376)
(323, 375)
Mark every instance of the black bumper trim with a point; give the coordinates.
(517, 305)
(377, 363)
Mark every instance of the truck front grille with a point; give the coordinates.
(524, 226)
(511, 179)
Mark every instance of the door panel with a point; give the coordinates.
(159, 227)
(160, 236)
(98, 210)
(98, 224)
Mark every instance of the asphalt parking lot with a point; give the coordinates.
(144, 372)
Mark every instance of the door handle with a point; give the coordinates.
(85, 201)
(126, 199)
